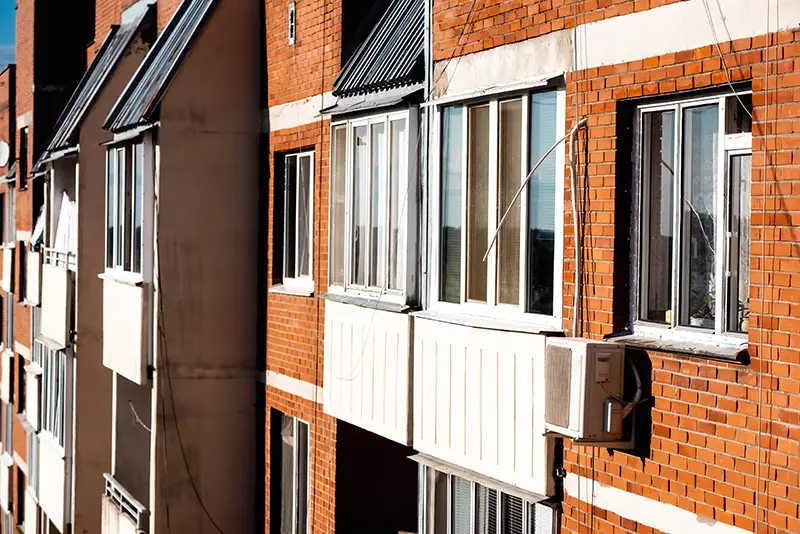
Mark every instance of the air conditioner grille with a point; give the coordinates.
(558, 375)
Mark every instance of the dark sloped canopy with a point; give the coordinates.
(392, 55)
(138, 103)
(65, 133)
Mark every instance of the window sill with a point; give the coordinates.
(46, 439)
(489, 323)
(26, 425)
(373, 304)
(283, 289)
(709, 350)
(129, 279)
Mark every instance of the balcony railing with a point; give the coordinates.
(60, 258)
(125, 504)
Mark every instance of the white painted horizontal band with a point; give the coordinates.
(293, 386)
(297, 113)
(655, 32)
(23, 235)
(658, 515)
(22, 350)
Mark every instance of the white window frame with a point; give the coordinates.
(301, 283)
(116, 271)
(491, 309)
(55, 428)
(296, 425)
(407, 244)
(728, 145)
(427, 500)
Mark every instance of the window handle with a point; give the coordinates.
(729, 236)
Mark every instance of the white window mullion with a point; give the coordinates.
(464, 201)
(721, 211)
(524, 205)
(348, 206)
(494, 176)
(677, 229)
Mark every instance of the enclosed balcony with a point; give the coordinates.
(479, 402)
(58, 284)
(367, 366)
(122, 513)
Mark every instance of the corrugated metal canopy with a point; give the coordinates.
(139, 101)
(391, 56)
(65, 134)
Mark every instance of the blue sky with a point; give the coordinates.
(7, 12)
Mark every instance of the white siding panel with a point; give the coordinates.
(114, 521)
(125, 330)
(52, 482)
(367, 366)
(56, 303)
(487, 396)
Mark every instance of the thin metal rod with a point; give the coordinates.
(576, 224)
(525, 183)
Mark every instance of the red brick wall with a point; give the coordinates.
(7, 110)
(489, 23)
(165, 10)
(722, 434)
(310, 66)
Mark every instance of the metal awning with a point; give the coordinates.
(391, 56)
(64, 138)
(369, 101)
(138, 103)
(450, 469)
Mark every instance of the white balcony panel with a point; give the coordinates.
(33, 292)
(114, 521)
(32, 399)
(367, 369)
(124, 330)
(6, 463)
(52, 481)
(56, 303)
(6, 366)
(8, 269)
(31, 513)
(479, 402)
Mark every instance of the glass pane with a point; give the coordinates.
(126, 221)
(542, 208)
(658, 183)
(738, 110)
(477, 202)
(540, 519)
(138, 198)
(436, 507)
(360, 204)
(512, 513)
(486, 511)
(739, 227)
(452, 173)
(111, 206)
(120, 200)
(290, 224)
(700, 132)
(302, 478)
(377, 264)
(461, 506)
(287, 474)
(509, 180)
(398, 204)
(338, 203)
(304, 216)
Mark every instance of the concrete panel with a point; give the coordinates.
(52, 482)
(367, 365)
(33, 291)
(124, 330)
(479, 402)
(56, 303)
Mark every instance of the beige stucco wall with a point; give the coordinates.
(207, 234)
(93, 381)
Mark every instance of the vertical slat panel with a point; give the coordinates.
(506, 417)
(489, 428)
(458, 400)
(523, 405)
(472, 410)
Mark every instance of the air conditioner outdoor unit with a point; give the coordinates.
(584, 387)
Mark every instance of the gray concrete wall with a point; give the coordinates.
(207, 236)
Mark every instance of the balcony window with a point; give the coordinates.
(486, 151)
(125, 207)
(694, 162)
(290, 463)
(295, 228)
(55, 367)
(456, 505)
(371, 197)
